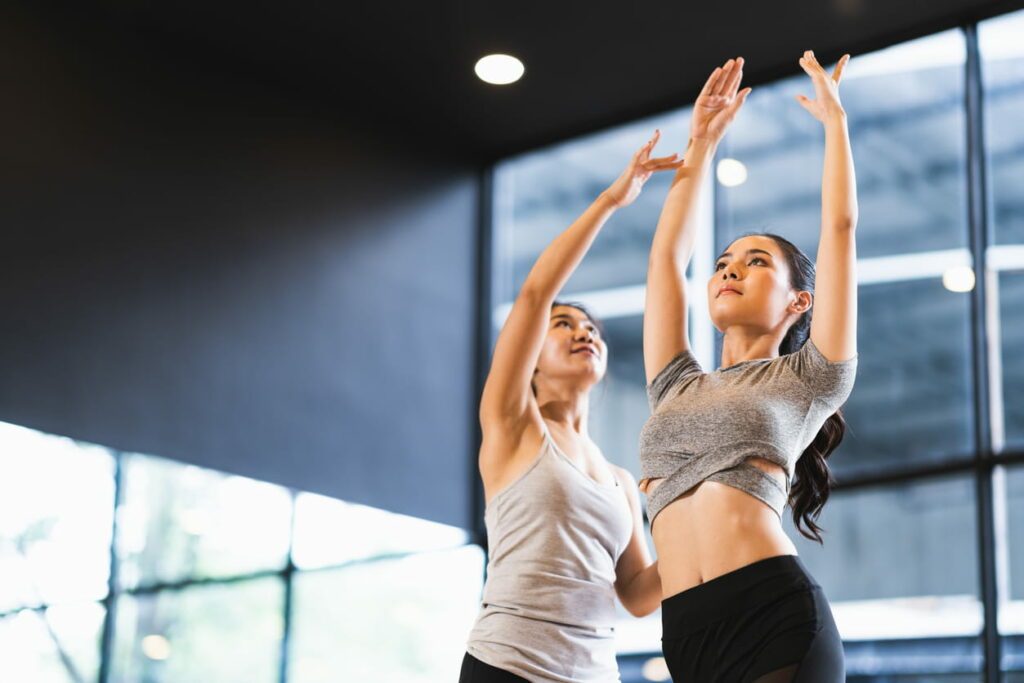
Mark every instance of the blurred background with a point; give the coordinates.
(254, 264)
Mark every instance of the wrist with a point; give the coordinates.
(607, 201)
(699, 153)
(835, 117)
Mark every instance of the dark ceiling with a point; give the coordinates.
(407, 67)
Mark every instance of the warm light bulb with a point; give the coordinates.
(499, 69)
(156, 647)
(958, 279)
(655, 669)
(731, 172)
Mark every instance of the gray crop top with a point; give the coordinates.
(704, 426)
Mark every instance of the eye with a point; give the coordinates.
(562, 322)
(758, 258)
(719, 265)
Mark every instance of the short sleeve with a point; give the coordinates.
(829, 381)
(680, 368)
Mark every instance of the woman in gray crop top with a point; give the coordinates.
(564, 528)
(724, 452)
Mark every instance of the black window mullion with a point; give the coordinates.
(288, 576)
(110, 601)
(978, 241)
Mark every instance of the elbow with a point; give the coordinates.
(665, 259)
(638, 605)
(639, 611)
(534, 294)
(846, 223)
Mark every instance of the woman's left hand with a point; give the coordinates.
(826, 104)
(627, 186)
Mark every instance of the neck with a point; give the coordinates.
(744, 343)
(565, 405)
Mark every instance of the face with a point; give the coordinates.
(755, 268)
(573, 348)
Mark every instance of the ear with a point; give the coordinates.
(801, 303)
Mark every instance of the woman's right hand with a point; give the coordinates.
(641, 167)
(718, 103)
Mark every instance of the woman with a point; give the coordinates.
(720, 451)
(564, 527)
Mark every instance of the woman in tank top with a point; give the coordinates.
(723, 452)
(564, 527)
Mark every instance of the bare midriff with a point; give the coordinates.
(714, 529)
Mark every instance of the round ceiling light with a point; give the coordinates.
(731, 172)
(499, 69)
(958, 279)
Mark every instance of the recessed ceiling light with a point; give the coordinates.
(655, 669)
(156, 647)
(499, 69)
(958, 279)
(731, 172)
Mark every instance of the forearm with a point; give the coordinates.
(559, 260)
(838, 182)
(677, 229)
(642, 594)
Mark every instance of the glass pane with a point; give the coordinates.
(60, 644)
(1003, 77)
(1010, 294)
(905, 111)
(899, 566)
(538, 195)
(1008, 487)
(56, 512)
(229, 633)
(912, 399)
(329, 532)
(179, 521)
(1002, 53)
(388, 620)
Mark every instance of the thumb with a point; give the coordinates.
(805, 103)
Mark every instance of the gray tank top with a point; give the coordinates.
(704, 426)
(554, 537)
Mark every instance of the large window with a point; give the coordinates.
(215, 577)
(906, 562)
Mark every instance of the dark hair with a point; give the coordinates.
(813, 481)
(582, 309)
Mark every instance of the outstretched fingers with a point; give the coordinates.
(735, 77)
(837, 74)
(663, 163)
(709, 85)
(721, 86)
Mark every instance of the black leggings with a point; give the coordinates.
(475, 671)
(767, 622)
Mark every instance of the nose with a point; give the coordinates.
(729, 272)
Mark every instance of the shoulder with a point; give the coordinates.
(628, 484)
(624, 476)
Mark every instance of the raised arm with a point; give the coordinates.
(834, 322)
(507, 396)
(665, 305)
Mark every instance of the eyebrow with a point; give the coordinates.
(569, 317)
(749, 251)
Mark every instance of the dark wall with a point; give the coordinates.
(198, 266)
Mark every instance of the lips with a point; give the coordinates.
(589, 349)
(727, 290)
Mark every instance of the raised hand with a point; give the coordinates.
(719, 102)
(627, 186)
(826, 88)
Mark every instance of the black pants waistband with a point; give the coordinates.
(733, 592)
